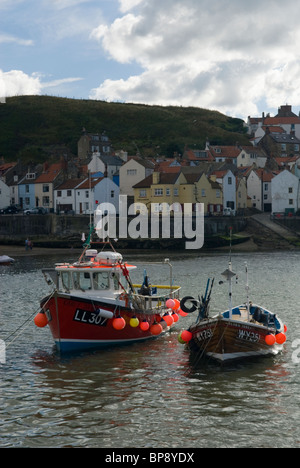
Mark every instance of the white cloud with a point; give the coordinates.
(16, 82)
(7, 38)
(225, 55)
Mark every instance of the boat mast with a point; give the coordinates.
(230, 277)
(247, 289)
(229, 274)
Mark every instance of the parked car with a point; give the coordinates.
(9, 210)
(228, 212)
(34, 211)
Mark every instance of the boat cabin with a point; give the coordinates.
(99, 274)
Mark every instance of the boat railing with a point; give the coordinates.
(155, 302)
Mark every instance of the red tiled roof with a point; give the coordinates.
(228, 152)
(90, 183)
(69, 184)
(281, 120)
(50, 174)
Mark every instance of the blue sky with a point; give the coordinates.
(240, 58)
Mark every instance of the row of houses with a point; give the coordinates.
(235, 177)
(216, 185)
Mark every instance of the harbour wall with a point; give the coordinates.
(59, 229)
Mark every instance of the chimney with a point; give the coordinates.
(155, 177)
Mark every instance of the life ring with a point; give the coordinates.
(191, 309)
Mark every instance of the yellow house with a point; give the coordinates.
(164, 189)
(241, 194)
(132, 172)
(158, 189)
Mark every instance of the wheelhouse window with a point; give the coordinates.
(66, 280)
(101, 280)
(82, 280)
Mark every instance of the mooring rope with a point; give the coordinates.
(24, 323)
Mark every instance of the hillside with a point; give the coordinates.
(32, 126)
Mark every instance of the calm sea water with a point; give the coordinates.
(150, 395)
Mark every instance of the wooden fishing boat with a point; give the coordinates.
(243, 331)
(94, 303)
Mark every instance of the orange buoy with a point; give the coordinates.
(270, 340)
(156, 328)
(40, 320)
(180, 339)
(144, 325)
(176, 304)
(186, 335)
(175, 316)
(183, 314)
(285, 328)
(118, 323)
(168, 319)
(280, 338)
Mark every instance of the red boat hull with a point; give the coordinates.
(78, 323)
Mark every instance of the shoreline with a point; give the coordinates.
(247, 246)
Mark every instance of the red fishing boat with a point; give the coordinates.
(94, 303)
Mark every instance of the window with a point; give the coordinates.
(46, 201)
(59, 193)
(290, 189)
(158, 192)
(296, 148)
(82, 280)
(69, 193)
(203, 194)
(168, 192)
(27, 188)
(291, 201)
(266, 187)
(131, 172)
(112, 194)
(66, 280)
(86, 194)
(176, 192)
(229, 180)
(143, 193)
(27, 201)
(101, 280)
(45, 188)
(218, 194)
(283, 147)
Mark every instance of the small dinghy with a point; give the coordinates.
(5, 260)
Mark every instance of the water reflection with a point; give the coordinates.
(149, 394)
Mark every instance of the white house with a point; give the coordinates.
(285, 193)
(250, 155)
(259, 189)
(108, 165)
(93, 191)
(4, 195)
(228, 181)
(65, 195)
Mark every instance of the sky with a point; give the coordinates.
(238, 57)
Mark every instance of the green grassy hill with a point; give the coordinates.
(33, 126)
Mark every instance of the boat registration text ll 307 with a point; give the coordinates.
(90, 318)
